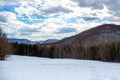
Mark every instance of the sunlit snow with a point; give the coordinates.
(34, 68)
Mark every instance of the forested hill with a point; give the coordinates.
(97, 34)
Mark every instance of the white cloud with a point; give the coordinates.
(7, 16)
(27, 10)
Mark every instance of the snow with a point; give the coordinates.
(34, 68)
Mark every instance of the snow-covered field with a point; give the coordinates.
(32, 68)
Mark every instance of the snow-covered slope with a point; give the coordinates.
(32, 68)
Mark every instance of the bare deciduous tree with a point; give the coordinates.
(5, 47)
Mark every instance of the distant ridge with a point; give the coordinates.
(25, 41)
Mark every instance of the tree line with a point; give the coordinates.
(104, 51)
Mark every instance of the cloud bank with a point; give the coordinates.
(55, 19)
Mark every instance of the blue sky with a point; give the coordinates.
(55, 19)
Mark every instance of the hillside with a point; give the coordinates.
(100, 33)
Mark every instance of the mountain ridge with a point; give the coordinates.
(26, 41)
(97, 34)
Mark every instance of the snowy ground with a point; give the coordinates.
(31, 68)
